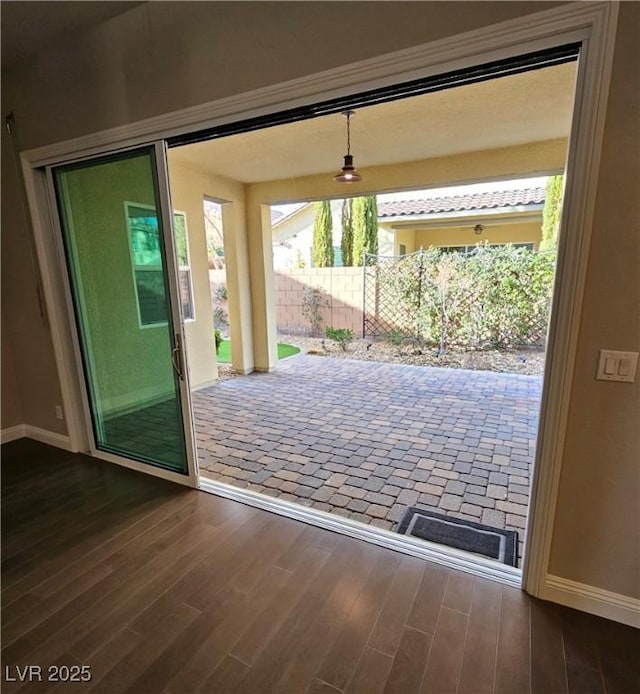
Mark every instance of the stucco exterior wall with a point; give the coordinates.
(188, 189)
(190, 185)
(465, 236)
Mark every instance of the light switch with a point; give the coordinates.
(617, 366)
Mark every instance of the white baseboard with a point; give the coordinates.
(21, 431)
(604, 603)
(12, 433)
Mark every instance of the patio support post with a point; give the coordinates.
(236, 255)
(265, 347)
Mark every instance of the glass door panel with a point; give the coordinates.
(116, 254)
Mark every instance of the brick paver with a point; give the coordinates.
(366, 439)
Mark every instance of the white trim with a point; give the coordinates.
(593, 24)
(49, 437)
(48, 242)
(581, 187)
(12, 433)
(449, 557)
(175, 307)
(28, 431)
(604, 603)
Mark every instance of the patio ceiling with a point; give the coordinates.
(529, 107)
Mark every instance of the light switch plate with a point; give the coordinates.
(617, 366)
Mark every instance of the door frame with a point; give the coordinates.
(83, 420)
(593, 25)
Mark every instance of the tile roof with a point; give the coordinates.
(459, 203)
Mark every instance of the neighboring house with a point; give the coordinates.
(459, 222)
(455, 222)
(293, 237)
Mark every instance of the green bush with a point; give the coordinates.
(220, 316)
(343, 336)
(492, 298)
(218, 338)
(394, 337)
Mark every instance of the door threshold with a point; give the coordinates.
(421, 549)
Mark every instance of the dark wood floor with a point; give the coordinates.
(163, 589)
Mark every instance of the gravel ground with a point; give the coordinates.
(528, 362)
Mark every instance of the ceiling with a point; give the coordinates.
(28, 26)
(529, 107)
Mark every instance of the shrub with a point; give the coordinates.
(312, 301)
(218, 338)
(491, 298)
(220, 316)
(343, 336)
(221, 292)
(393, 337)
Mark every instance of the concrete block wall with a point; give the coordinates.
(342, 294)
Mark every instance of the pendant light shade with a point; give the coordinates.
(349, 173)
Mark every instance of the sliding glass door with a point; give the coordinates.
(116, 228)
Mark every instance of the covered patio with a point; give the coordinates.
(365, 440)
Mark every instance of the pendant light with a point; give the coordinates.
(349, 174)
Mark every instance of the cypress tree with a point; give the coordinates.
(551, 213)
(365, 227)
(371, 235)
(347, 233)
(358, 220)
(322, 247)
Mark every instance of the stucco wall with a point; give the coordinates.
(189, 185)
(188, 189)
(464, 236)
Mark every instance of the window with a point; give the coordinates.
(146, 260)
(403, 249)
(337, 256)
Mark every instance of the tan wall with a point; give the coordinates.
(464, 236)
(11, 399)
(407, 238)
(596, 537)
(26, 333)
(192, 184)
(155, 59)
(341, 289)
(164, 56)
(188, 188)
